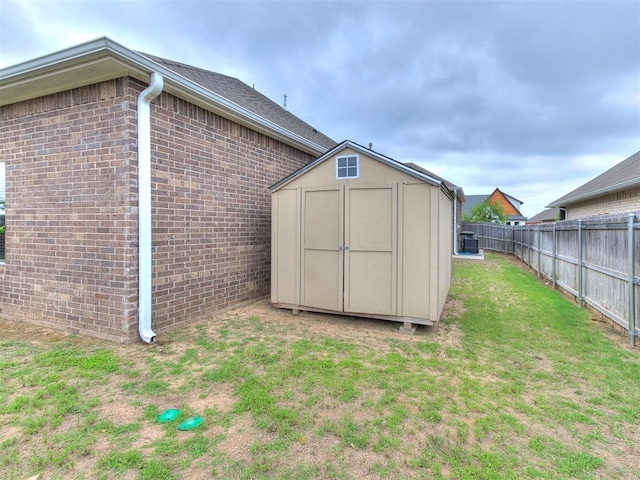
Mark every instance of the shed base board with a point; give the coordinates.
(392, 318)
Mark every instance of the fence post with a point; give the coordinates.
(529, 245)
(580, 262)
(555, 254)
(504, 240)
(632, 280)
(539, 253)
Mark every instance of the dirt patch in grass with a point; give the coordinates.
(240, 437)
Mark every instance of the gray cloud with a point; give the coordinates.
(514, 95)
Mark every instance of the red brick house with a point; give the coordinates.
(136, 190)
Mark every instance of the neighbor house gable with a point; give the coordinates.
(510, 205)
(506, 202)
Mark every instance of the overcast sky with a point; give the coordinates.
(532, 97)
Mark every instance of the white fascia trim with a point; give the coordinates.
(52, 59)
(143, 66)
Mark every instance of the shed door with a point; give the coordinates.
(349, 249)
(370, 265)
(322, 259)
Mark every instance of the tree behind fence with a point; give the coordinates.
(597, 260)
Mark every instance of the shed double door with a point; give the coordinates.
(349, 249)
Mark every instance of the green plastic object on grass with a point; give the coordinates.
(190, 423)
(168, 415)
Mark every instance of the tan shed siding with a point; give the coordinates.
(71, 226)
(620, 202)
(445, 231)
(378, 245)
(285, 247)
(416, 250)
(372, 172)
(434, 241)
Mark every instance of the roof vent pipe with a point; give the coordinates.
(144, 207)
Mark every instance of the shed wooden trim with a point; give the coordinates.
(392, 318)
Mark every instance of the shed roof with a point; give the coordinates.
(103, 59)
(623, 176)
(365, 151)
(447, 183)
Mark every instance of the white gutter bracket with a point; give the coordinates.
(144, 207)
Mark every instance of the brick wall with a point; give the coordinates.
(72, 218)
(70, 257)
(620, 202)
(211, 210)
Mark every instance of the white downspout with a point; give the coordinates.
(455, 221)
(144, 207)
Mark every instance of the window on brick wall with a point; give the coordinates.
(3, 198)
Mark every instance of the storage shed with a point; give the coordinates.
(357, 233)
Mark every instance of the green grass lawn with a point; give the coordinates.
(515, 382)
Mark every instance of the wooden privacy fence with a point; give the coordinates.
(597, 260)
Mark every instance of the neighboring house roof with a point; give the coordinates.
(548, 215)
(623, 176)
(365, 151)
(104, 59)
(510, 205)
(452, 187)
(471, 201)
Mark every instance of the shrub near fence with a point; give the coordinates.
(597, 260)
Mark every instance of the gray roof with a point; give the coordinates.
(447, 183)
(473, 200)
(622, 176)
(242, 94)
(548, 215)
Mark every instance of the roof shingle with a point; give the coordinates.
(247, 97)
(622, 176)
